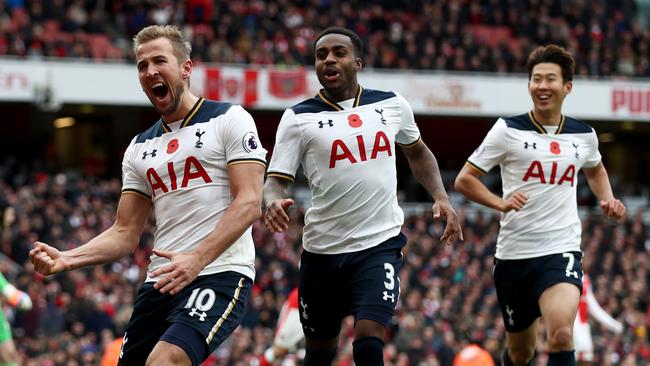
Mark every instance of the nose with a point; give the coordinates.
(152, 70)
(330, 59)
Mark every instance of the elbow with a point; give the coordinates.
(459, 184)
(252, 209)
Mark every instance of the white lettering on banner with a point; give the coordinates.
(267, 88)
(452, 94)
(633, 101)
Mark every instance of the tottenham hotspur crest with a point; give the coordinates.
(249, 142)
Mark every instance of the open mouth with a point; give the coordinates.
(331, 75)
(160, 91)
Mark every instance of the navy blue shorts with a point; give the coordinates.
(520, 283)
(364, 284)
(197, 319)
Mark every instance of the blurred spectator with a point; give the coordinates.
(607, 38)
(447, 301)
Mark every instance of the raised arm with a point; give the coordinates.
(117, 241)
(425, 168)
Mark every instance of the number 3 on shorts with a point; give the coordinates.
(390, 273)
(569, 266)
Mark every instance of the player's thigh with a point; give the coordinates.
(147, 324)
(375, 284)
(323, 295)
(206, 312)
(561, 279)
(559, 306)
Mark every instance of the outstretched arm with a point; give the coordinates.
(116, 242)
(246, 188)
(469, 184)
(276, 203)
(425, 168)
(599, 183)
(601, 315)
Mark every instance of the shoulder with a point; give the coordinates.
(572, 125)
(151, 133)
(212, 108)
(311, 105)
(370, 96)
(520, 122)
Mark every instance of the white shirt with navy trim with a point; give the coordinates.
(544, 166)
(184, 172)
(347, 152)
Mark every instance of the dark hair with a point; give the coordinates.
(356, 40)
(552, 54)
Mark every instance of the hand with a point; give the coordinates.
(453, 230)
(182, 270)
(47, 260)
(613, 208)
(515, 202)
(276, 218)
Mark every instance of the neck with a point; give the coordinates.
(548, 118)
(187, 102)
(346, 94)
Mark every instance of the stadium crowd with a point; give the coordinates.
(607, 38)
(448, 299)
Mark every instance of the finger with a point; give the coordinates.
(286, 204)
(164, 270)
(164, 282)
(163, 253)
(436, 211)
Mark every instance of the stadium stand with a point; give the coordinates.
(607, 38)
(448, 299)
(447, 302)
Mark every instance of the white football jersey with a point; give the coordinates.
(544, 166)
(184, 172)
(347, 152)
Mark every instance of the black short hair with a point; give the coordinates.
(553, 54)
(356, 40)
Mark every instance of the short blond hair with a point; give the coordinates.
(182, 47)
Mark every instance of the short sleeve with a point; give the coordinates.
(132, 182)
(288, 150)
(240, 138)
(593, 156)
(493, 148)
(408, 130)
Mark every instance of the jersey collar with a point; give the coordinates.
(336, 106)
(188, 116)
(540, 128)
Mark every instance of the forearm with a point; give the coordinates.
(107, 247)
(426, 170)
(598, 181)
(274, 189)
(472, 188)
(236, 220)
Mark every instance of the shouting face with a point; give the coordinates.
(162, 76)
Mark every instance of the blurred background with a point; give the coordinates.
(71, 103)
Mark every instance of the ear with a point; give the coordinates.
(568, 87)
(358, 64)
(186, 69)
